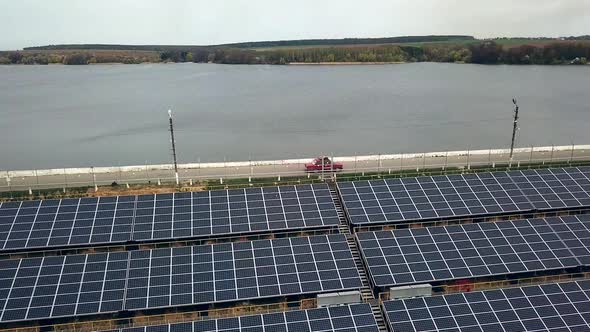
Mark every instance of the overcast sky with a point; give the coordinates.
(39, 22)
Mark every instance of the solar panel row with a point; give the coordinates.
(475, 250)
(52, 287)
(406, 199)
(75, 222)
(347, 318)
(551, 307)
(240, 271)
(62, 286)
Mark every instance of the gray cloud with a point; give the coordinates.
(38, 22)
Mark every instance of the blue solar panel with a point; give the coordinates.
(551, 307)
(423, 255)
(104, 220)
(454, 196)
(62, 286)
(240, 271)
(51, 287)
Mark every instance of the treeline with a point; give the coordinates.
(552, 54)
(479, 53)
(113, 47)
(489, 52)
(353, 41)
(300, 42)
(68, 57)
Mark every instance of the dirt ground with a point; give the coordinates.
(139, 190)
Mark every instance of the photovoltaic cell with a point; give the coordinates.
(478, 194)
(91, 221)
(75, 285)
(550, 307)
(349, 318)
(422, 255)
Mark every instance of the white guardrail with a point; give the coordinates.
(383, 157)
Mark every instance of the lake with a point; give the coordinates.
(102, 115)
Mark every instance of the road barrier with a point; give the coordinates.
(244, 173)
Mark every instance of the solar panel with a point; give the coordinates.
(477, 194)
(240, 271)
(60, 286)
(351, 318)
(92, 221)
(422, 255)
(551, 307)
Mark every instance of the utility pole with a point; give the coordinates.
(173, 147)
(514, 128)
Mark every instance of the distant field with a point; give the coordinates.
(149, 54)
(299, 47)
(508, 43)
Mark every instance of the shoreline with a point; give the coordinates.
(357, 63)
(282, 162)
(342, 63)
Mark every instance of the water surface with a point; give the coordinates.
(101, 115)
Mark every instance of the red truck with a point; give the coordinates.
(319, 164)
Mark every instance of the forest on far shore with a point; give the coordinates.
(457, 49)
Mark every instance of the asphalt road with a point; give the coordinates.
(274, 171)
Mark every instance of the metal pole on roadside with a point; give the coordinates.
(173, 148)
(423, 161)
(333, 175)
(147, 176)
(468, 155)
(514, 128)
(552, 149)
(572, 155)
(94, 179)
(446, 160)
(323, 167)
(531, 158)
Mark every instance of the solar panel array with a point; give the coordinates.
(86, 221)
(407, 199)
(348, 318)
(62, 286)
(240, 271)
(551, 307)
(475, 250)
(97, 283)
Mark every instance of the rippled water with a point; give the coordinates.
(58, 116)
